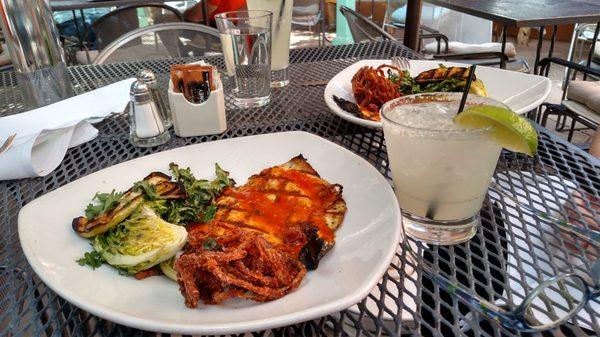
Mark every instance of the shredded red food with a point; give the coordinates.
(224, 261)
(372, 88)
(154, 271)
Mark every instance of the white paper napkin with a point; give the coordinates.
(45, 134)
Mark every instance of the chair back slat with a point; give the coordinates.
(123, 20)
(363, 29)
(163, 41)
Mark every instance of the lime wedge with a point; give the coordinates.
(511, 130)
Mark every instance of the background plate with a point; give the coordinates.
(521, 92)
(366, 241)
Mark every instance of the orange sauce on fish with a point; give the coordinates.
(284, 214)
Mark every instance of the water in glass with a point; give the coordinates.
(246, 40)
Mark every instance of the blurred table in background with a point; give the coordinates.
(531, 13)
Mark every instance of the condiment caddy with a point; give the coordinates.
(196, 100)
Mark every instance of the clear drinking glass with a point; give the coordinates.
(281, 28)
(246, 41)
(33, 42)
(441, 171)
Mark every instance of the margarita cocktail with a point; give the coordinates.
(441, 170)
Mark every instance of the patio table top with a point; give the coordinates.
(492, 264)
(530, 13)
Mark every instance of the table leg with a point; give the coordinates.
(503, 49)
(589, 59)
(205, 12)
(571, 55)
(82, 18)
(79, 36)
(323, 21)
(539, 50)
(413, 20)
(372, 9)
(342, 31)
(551, 50)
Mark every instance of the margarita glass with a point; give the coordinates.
(441, 170)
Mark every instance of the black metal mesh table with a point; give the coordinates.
(491, 264)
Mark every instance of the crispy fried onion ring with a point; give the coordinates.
(225, 261)
(372, 88)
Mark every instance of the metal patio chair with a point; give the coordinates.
(363, 29)
(395, 14)
(432, 15)
(166, 40)
(310, 13)
(113, 25)
(583, 37)
(571, 107)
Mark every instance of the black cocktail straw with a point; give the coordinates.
(465, 94)
(432, 208)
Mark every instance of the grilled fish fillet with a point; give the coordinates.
(290, 206)
(442, 73)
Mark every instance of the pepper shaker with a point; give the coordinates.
(149, 78)
(146, 127)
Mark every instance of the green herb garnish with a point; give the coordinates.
(146, 188)
(104, 202)
(93, 259)
(201, 195)
(209, 213)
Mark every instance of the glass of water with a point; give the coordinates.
(246, 41)
(281, 28)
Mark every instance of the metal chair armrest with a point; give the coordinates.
(475, 56)
(439, 37)
(545, 63)
(430, 30)
(553, 106)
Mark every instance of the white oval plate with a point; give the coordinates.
(366, 241)
(521, 92)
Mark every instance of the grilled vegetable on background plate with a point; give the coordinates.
(441, 79)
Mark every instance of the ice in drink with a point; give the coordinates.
(441, 170)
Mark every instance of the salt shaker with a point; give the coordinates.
(146, 127)
(148, 77)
